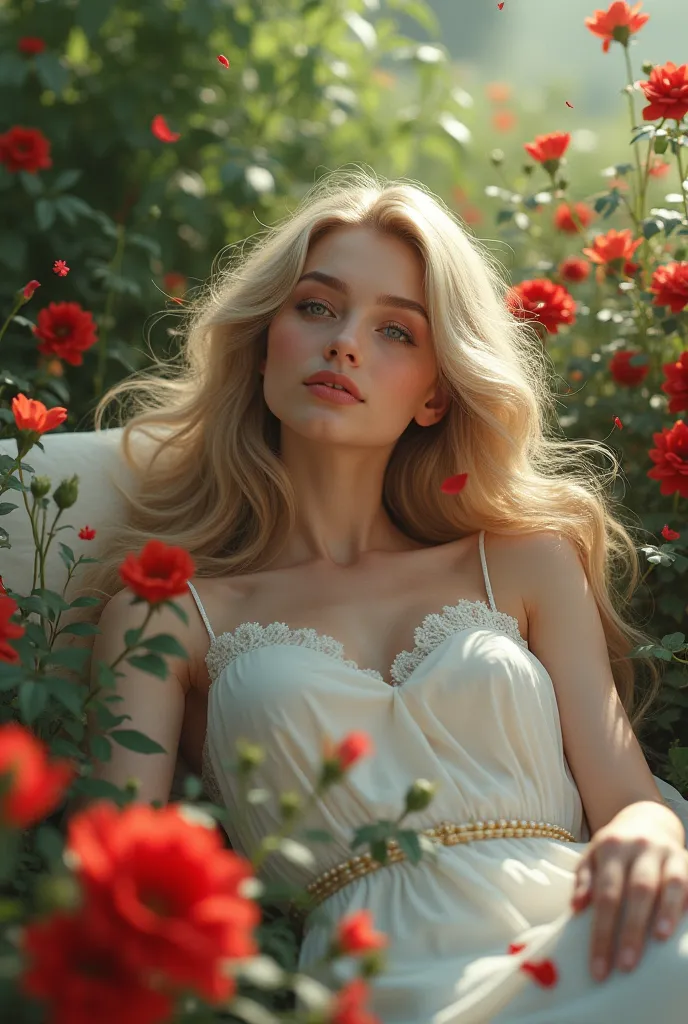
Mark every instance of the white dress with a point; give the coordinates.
(473, 709)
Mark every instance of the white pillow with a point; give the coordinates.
(95, 457)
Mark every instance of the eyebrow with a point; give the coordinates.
(382, 300)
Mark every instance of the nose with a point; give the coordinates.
(346, 346)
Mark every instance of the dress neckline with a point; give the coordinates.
(433, 630)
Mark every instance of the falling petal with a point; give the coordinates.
(569, 104)
(161, 130)
(223, 60)
(454, 484)
(618, 423)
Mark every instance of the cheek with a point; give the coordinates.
(287, 345)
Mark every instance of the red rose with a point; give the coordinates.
(676, 384)
(174, 282)
(65, 330)
(37, 785)
(549, 149)
(30, 414)
(574, 269)
(623, 372)
(618, 23)
(572, 222)
(352, 748)
(83, 979)
(165, 893)
(668, 533)
(8, 630)
(159, 573)
(355, 934)
(86, 533)
(544, 301)
(670, 286)
(671, 456)
(614, 250)
(667, 91)
(31, 45)
(25, 149)
(349, 1005)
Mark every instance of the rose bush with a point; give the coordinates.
(98, 922)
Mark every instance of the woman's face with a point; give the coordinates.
(357, 330)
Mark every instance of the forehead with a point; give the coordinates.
(364, 256)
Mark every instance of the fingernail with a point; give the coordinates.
(599, 968)
(664, 926)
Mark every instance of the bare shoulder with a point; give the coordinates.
(221, 598)
(534, 558)
(120, 614)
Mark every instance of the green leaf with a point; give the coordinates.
(32, 700)
(72, 658)
(410, 844)
(101, 748)
(51, 71)
(70, 695)
(164, 643)
(66, 179)
(45, 214)
(99, 788)
(674, 641)
(63, 748)
(85, 602)
(50, 844)
(81, 629)
(134, 740)
(13, 69)
(6, 507)
(92, 16)
(149, 663)
(52, 599)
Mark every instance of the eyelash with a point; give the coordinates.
(406, 340)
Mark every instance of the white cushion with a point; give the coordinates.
(96, 458)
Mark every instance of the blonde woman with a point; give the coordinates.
(332, 378)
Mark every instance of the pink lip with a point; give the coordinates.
(332, 394)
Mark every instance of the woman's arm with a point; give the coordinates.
(566, 635)
(155, 706)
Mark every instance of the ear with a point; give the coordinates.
(434, 409)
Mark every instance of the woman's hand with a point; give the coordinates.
(635, 873)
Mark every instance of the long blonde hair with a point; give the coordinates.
(213, 483)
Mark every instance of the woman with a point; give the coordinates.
(471, 635)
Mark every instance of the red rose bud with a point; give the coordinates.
(86, 533)
(355, 934)
(338, 757)
(30, 288)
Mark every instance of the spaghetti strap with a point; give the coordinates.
(488, 587)
(201, 610)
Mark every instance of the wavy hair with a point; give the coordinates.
(211, 479)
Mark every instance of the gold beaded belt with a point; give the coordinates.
(446, 833)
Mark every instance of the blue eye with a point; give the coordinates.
(406, 339)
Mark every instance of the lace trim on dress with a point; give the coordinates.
(434, 630)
